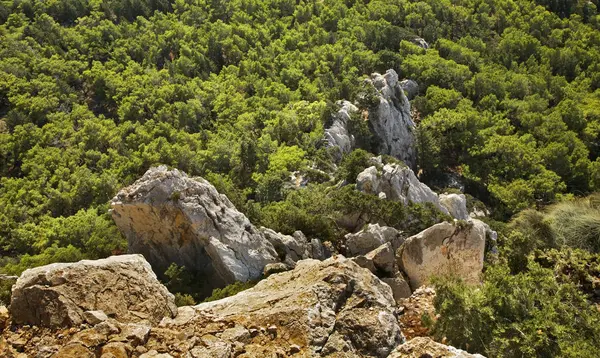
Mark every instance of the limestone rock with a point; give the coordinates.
(420, 42)
(4, 317)
(382, 263)
(370, 238)
(445, 248)
(400, 288)
(124, 287)
(172, 218)
(320, 307)
(337, 136)
(456, 204)
(420, 347)
(410, 88)
(398, 183)
(271, 269)
(391, 120)
(94, 317)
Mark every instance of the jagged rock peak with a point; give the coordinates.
(391, 119)
(337, 136)
(172, 218)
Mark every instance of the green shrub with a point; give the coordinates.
(352, 164)
(182, 299)
(230, 290)
(530, 314)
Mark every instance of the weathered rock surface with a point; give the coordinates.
(456, 204)
(445, 248)
(337, 136)
(319, 308)
(397, 183)
(370, 238)
(420, 42)
(410, 87)
(124, 287)
(172, 218)
(391, 120)
(425, 347)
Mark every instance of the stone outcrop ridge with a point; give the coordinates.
(337, 136)
(172, 218)
(391, 120)
(397, 183)
(124, 287)
(318, 309)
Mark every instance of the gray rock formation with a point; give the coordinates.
(370, 238)
(337, 136)
(172, 218)
(456, 204)
(391, 120)
(382, 263)
(397, 183)
(445, 249)
(124, 287)
(420, 347)
(410, 87)
(320, 308)
(420, 42)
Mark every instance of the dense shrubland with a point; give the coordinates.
(93, 93)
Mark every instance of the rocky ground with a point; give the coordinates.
(313, 301)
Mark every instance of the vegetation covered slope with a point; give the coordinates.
(93, 93)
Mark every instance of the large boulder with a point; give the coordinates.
(320, 308)
(391, 119)
(421, 347)
(370, 238)
(123, 287)
(172, 218)
(445, 249)
(337, 136)
(456, 204)
(397, 183)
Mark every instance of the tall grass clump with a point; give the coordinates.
(577, 223)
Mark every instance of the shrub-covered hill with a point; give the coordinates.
(93, 93)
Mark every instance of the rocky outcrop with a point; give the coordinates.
(456, 204)
(445, 249)
(370, 238)
(420, 347)
(319, 308)
(391, 120)
(410, 88)
(398, 183)
(123, 287)
(172, 218)
(337, 136)
(420, 42)
(382, 263)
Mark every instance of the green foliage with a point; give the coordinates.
(230, 290)
(530, 314)
(353, 164)
(5, 292)
(184, 300)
